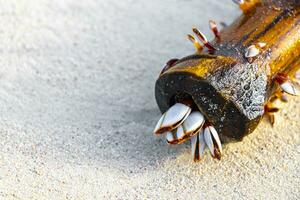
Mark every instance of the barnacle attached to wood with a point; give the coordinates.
(220, 93)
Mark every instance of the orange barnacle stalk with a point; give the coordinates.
(214, 28)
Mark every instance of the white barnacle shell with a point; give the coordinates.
(261, 44)
(252, 51)
(239, 2)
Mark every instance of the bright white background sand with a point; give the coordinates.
(78, 109)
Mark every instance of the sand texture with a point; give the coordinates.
(78, 108)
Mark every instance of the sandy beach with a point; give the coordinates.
(78, 108)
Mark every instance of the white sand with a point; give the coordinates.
(78, 109)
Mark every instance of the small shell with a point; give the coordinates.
(239, 2)
(170, 137)
(191, 126)
(261, 44)
(290, 88)
(172, 118)
(212, 24)
(213, 142)
(252, 51)
(198, 146)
